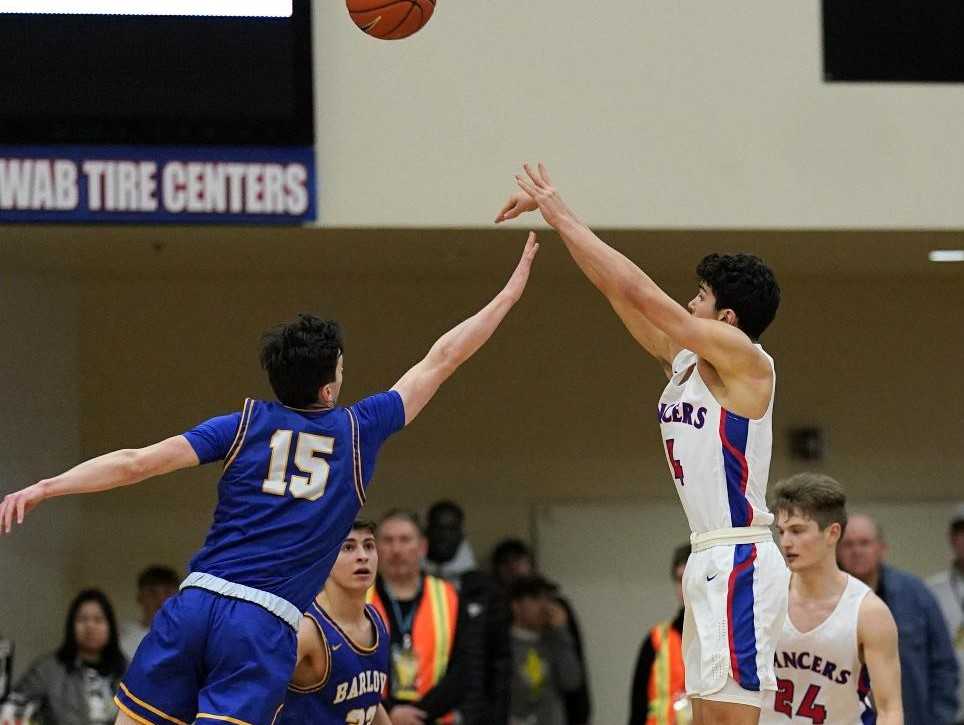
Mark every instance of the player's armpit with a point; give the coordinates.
(656, 342)
(311, 670)
(877, 635)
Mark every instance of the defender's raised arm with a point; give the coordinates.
(420, 383)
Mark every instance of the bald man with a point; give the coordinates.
(928, 665)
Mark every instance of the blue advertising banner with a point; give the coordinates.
(159, 184)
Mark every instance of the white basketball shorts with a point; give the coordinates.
(735, 598)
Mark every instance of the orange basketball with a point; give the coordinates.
(390, 19)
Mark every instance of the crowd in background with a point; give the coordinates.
(501, 646)
(469, 646)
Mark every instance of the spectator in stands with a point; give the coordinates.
(659, 687)
(928, 667)
(484, 615)
(74, 685)
(422, 615)
(512, 559)
(948, 587)
(154, 586)
(545, 662)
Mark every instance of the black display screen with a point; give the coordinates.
(893, 40)
(92, 77)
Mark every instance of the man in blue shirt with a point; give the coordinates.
(928, 666)
(294, 476)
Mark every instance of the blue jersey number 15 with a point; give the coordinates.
(307, 461)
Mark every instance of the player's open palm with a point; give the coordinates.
(537, 184)
(19, 504)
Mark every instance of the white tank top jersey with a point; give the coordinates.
(719, 460)
(819, 675)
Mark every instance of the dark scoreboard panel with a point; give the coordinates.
(201, 72)
(893, 40)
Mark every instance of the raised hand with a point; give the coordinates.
(520, 276)
(537, 185)
(518, 203)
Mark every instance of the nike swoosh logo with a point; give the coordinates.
(711, 578)
(336, 647)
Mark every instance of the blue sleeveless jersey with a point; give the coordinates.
(356, 677)
(292, 484)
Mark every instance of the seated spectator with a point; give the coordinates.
(545, 662)
(421, 613)
(484, 614)
(512, 559)
(928, 667)
(154, 586)
(74, 685)
(659, 686)
(948, 587)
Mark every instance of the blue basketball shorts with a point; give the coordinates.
(210, 659)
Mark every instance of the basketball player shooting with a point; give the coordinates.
(715, 417)
(836, 660)
(294, 477)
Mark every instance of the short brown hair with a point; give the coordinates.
(814, 496)
(364, 525)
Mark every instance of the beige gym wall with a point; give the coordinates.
(130, 335)
(665, 113)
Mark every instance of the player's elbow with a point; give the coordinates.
(135, 465)
(445, 358)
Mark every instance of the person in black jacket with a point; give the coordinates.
(512, 559)
(484, 618)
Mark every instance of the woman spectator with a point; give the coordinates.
(75, 685)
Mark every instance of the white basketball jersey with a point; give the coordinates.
(819, 673)
(720, 460)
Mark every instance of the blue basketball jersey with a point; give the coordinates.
(292, 484)
(356, 677)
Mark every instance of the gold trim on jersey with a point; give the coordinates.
(360, 649)
(131, 714)
(225, 718)
(242, 432)
(356, 457)
(149, 707)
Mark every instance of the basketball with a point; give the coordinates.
(390, 19)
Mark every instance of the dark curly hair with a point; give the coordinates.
(112, 662)
(300, 357)
(744, 284)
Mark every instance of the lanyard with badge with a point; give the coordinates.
(404, 658)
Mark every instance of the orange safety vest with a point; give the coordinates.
(433, 630)
(666, 680)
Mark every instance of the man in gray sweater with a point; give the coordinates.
(545, 663)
